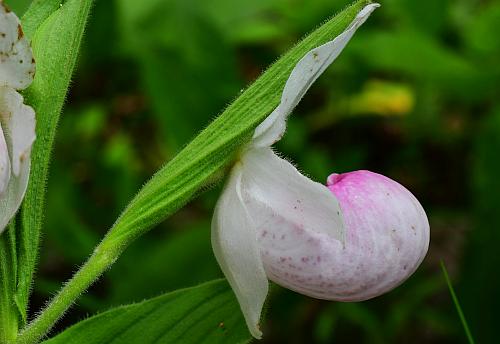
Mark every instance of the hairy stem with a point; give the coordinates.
(9, 315)
(102, 258)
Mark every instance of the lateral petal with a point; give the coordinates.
(305, 73)
(234, 242)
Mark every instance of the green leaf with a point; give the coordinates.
(8, 313)
(55, 45)
(208, 313)
(17, 6)
(457, 304)
(37, 13)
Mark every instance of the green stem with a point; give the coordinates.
(102, 258)
(9, 315)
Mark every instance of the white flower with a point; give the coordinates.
(355, 239)
(17, 121)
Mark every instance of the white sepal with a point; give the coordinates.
(4, 163)
(305, 73)
(234, 241)
(276, 184)
(18, 120)
(17, 66)
(18, 128)
(12, 197)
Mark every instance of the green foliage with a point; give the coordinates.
(478, 33)
(480, 283)
(55, 46)
(176, 45)
(37, 13)
(8, 270)
(195, 167)
(208, 313)
(413, 54)
(151, 263)
(414, 96)
(18, 6)
(457, 304)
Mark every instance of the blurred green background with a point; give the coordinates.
(414, 96)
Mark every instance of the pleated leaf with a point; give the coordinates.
(208, 313)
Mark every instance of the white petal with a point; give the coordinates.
(11, 199)
(18, 127)
(305, 73)
(275, 183)
(17, 66)
(234, 242)
(4, 163)
(387, 236)
(18, 121)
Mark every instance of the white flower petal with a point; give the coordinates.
(11, 199)
(275, 183)
(4, 163)
(234, 242)
(18, 121)
(305, 73)
(17, 65)
(18, 128)
(387, 236)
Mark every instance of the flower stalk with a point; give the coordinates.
(270, 218)
(199, 164)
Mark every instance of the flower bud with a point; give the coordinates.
(273, 222)
(386, 238)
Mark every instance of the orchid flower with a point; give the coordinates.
(17, 120)
(355, 238)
